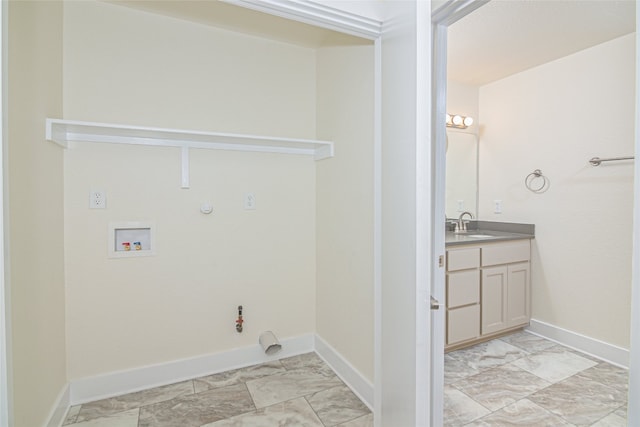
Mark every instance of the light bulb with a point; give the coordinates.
(468, 121)
(457, 120)
(448, 119)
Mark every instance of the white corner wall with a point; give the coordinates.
(127, 66)
(345, 205)
(555, 117)
(34, 213)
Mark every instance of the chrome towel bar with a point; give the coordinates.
(595, 161)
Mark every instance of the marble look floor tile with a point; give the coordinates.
(277, 388)
(455, 369)
(292, 413)
(337, 405)
(622, 411)
(585, 355)
(488, 355)
(113, 405)
(554, 364)
(121, 419)
(309, 361)
(499, 387)
(366, 421)
(527, 341)
(197, 409)
(72, 415)
(237, 376)
(580, 401)
(608, 374)
(611, 420)
(521, 413)
(460, 409)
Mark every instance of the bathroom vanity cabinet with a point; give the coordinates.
(488, 290)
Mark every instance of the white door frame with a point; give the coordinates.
(633, 414)
(441, 19)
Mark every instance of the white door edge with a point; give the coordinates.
(633, 411)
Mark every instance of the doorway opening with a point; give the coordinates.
(453, 13)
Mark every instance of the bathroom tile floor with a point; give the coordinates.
(292, 392)
(522, 379)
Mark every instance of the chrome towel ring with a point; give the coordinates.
(536, 182)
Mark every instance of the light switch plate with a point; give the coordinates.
(249, 201)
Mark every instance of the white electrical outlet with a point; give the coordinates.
(249, 201)
(97, 199)
(460, 205)
(497, 206)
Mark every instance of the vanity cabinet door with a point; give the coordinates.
(518, 291)
(462, 324)
(494, 299)
(488, 290)
(463, 288)
(463, 306)
(505, 297)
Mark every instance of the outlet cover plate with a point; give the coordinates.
(97, 199)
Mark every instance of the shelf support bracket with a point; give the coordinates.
(185, 167)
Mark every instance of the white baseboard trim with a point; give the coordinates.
(59, 410)
(607, 352)
(362, 387)
(123, 382)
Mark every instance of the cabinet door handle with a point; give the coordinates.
(435, 304)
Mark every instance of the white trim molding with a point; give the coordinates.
(60, 408)
(316, 14)
(362, 387)
(122, 382)
(608, 352)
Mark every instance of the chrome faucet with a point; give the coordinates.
(461, 226)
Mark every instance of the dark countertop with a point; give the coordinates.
(487, 231)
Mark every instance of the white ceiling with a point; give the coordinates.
(505, 37)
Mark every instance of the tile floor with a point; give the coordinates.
(520, 380)
(296, 391)
(524, 380)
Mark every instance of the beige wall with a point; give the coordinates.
(555, 118)
(345, 204)
(126, 66)
(35, 211)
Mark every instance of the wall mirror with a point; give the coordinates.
(461, 192)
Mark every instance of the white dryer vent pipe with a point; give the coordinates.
(270, 343)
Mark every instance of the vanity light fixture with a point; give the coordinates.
(459, 122)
